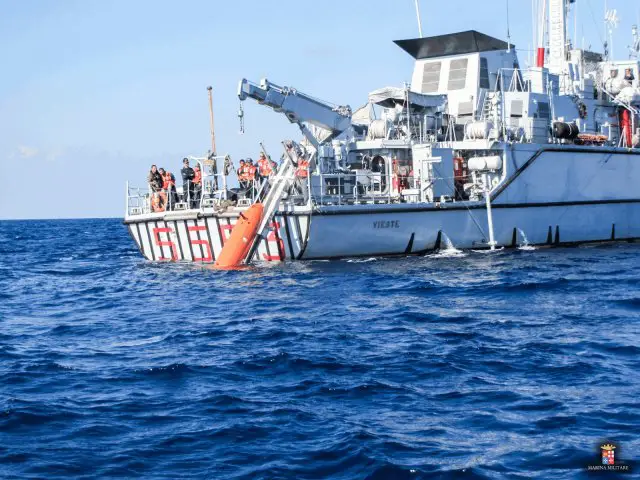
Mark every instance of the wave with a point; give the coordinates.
(628, 303)
(480, 366)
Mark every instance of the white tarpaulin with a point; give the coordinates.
(389, 97)
(363, 116)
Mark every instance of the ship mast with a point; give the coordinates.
(541, 31)
(211, 127)
(558, 12)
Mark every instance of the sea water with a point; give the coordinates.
(514, 364)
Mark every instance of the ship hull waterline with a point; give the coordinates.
(390, 231)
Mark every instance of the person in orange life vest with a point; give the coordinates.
(250, 173)
(302, 170)
(242, 181)
(395, 175)
(245, 174)
(264, 166)
(252, 170)
(169, 186)
(162, 193)
(302, 175)
(197, 187)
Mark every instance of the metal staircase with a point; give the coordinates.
(487, 107)
(271, 194)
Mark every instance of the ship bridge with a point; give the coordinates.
(463, 65)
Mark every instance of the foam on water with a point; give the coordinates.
(447, 249)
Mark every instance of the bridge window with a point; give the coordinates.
(431, 77)
(543, 111)
(484, 73)
(465, 109)
(516, 108)
(458, 74)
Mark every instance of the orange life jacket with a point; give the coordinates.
(168, 181)
(251, 172)
(265, 167)
(197, 180)
(303, 168)
(244, 172)
(156, 203)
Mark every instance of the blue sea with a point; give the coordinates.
(514, 364)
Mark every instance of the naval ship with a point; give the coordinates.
(476, 152)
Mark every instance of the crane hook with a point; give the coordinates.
(241, 118)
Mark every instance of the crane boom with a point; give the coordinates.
(299, 108)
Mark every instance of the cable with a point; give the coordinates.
(508, 30)
(593, 17)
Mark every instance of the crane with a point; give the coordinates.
(299, 108)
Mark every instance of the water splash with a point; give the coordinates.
(525, 241)
(487, 250)
(447, 248)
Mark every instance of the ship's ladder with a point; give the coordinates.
(278, 185)
(488, 110)
(482, 104)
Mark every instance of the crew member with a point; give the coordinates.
(155, 185)
(264, 166)
(197, 187)
(628, 76)
(241, 175)
(251, 171)
(302, 175)
(162, 193)
(251, 175)
(169, 186)
(187, 180)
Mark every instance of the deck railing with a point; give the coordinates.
(340, 188)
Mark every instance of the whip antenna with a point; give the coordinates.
(508, 30)
(418, 16)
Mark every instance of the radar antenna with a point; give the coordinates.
(611, 20)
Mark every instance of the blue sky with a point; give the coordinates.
(93, 92)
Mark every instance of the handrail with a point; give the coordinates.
(617, 101)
